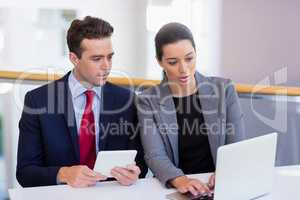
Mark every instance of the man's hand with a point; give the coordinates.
(126, 176)
(79, 176)
(184, 184)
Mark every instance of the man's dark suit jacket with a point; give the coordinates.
(48, 137)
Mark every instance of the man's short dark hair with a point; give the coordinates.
(88, 28)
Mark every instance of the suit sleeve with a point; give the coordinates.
(235, 128)
(31, 169)
(155, 152)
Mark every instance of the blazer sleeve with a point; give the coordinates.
(135, 143)
(30, 166)
(235, 128)
(154, 147)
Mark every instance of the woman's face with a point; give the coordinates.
(179, 62)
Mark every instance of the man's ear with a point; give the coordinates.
(73, 58)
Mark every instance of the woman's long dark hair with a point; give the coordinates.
(171, 33)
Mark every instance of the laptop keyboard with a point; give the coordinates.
(203, 197)
(189, 196)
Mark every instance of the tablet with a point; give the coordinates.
(107, 160)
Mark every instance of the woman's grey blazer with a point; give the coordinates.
(159, 129)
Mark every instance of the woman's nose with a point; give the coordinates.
(182, 67)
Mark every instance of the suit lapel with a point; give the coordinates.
(65, 96)
(167, 113)
(107, 104)
(209, 101)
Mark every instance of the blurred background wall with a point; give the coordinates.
(259, 38)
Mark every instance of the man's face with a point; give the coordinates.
(94, 66)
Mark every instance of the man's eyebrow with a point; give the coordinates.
(97, 56)
(102, 56)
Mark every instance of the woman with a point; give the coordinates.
(187, 116)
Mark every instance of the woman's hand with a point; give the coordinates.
(184, 184)
(211, 182)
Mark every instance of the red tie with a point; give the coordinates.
(87, 133)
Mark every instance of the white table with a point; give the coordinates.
(286, 186)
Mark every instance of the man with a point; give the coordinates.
(65, 123)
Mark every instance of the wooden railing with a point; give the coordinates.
(241, 88)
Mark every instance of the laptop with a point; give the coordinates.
(244, 170)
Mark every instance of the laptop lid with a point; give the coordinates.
(245, 169)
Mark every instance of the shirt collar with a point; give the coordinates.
(78, 89)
